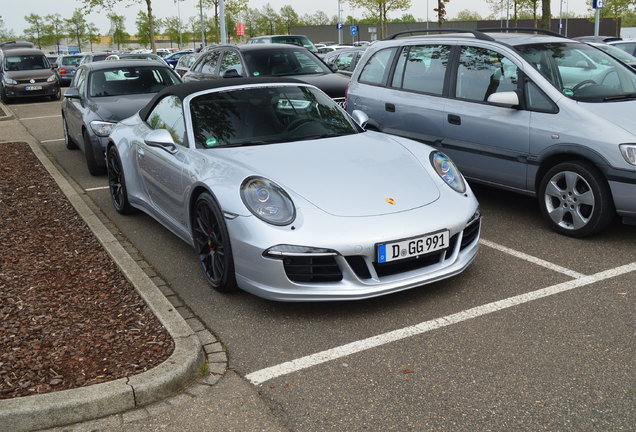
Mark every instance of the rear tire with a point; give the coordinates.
(93, 167)
(576, 199)
(70, 144)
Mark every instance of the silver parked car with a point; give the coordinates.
(538, 114)
(283, 195)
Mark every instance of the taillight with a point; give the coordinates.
(347, 93)
(62, 71)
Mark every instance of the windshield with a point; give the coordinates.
(26, 62)
(295, 40)
(582, 72)
(71, 61)
(283, 62)
(617, 52)
(130, 80)
(265, 115)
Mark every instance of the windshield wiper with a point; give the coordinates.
(620, 97)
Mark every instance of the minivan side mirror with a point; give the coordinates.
(506, 99)
(72, 93)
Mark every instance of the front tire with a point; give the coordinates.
(212, 243)
(93, 167)
(117, 183)
(3, 96)
(575, 199)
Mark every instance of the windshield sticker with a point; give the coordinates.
(568, 92)
(256, 73)
(210, 142)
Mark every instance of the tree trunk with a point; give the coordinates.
(546, 14)
(151, 27)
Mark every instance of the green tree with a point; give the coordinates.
(143, 27)
(379, 9)
(617, 9)
(546, 14)
(289, 17)
(194, 26)
(5, 34)
(117, 29)
(268, 20)
(109, 4)
(175, 30)
(467, 15)
(53, 31)
(251, 18)
(76, 28)
(92, 34)
(35, 30)
(405, 18)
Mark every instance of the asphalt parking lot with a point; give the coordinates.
(538, 334)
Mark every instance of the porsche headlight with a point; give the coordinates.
(629, 152)
(267, 201)
(51, 78)
(448, 171)
(102, 129)
(8, 80)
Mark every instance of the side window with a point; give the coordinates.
(422, 68)
(482, 72)
(208, 65)
(537, 100)
(345, 61)
(376, 69)
(231, 60)
(80, 80)
(168, 115)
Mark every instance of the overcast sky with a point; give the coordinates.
(13, 15)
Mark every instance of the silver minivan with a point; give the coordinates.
(529, 112)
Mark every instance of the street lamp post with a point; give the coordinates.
(222, 23)
(179, 18)
(201, 18)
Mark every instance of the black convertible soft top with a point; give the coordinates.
(183, 90)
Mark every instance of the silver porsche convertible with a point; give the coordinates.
(283, 195)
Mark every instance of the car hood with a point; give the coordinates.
(361, 175)
(619, 113)
(335, 85)
(116, 108)
(36, 74)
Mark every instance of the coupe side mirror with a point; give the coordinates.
(72, 93)
(360, 117)
(231, 73)
(161, 138)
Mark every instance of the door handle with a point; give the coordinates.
(454, 119)
(389, 107)
(140, 152)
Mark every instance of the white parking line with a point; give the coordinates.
(532, 259)
(41, 117)
(50, 141)
(263, 375)
(96, 188)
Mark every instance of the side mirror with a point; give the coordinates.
(505, 99)
(360, 117)
(161, 138)
(72, 93)
(231, 73)
(53, 65)
(333, 67)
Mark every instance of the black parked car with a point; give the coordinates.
(268, 60)
(102, 94)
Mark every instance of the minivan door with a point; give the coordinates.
(489, 142)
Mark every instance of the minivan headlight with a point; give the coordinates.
(51, 78)
(102, 129)
(629, 152)
(448, 171)
(267, 201)
(8, 80)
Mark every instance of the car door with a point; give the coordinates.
(77, 107)
(489, 142)
(207, 67)
(161, 169)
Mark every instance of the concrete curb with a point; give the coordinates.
(99, 400)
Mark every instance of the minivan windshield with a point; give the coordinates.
(582, 72)
(26, 62)
(265, 115)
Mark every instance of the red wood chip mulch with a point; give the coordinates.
(68, 317)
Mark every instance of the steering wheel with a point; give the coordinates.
(296, 123)
(583, 84)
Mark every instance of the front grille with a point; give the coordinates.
(470, 234)
(28, 81)
(312, 269)
(401, 266)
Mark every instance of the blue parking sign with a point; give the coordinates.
(354, 30)
(339, 26)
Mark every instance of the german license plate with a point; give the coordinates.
(33, 88)
(401, 249)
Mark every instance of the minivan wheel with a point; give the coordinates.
(575, 199)
(3, 96)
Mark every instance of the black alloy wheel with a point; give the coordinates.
(212, 243)
(117, 183)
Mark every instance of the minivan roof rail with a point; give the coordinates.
(521, 30)
(16, 44)
(477, 33)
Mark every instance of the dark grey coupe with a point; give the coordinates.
(102, 94)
